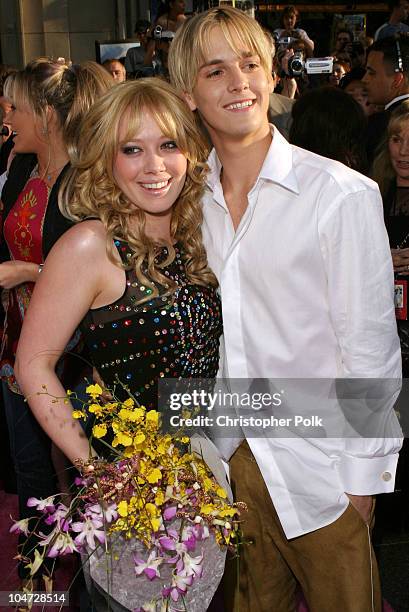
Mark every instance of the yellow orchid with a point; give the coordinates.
(154, 475)
(96, 409)
(221, 493)
(99, 431)
(78, 414)
(94, 391)
(152, 419)
(123, 508)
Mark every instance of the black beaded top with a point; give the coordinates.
(168, 336)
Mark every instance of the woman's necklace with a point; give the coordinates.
(48, 175)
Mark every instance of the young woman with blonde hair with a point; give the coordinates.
(133, 272)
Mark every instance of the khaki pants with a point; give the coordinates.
(335, 565)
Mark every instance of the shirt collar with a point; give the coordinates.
(277, 168)
(397, 99)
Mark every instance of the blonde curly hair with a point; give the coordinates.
(90, 190)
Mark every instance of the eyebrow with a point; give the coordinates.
(216, 61)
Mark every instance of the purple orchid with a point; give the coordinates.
(89, 530)
(60, 517)
(149, 567)
(201, 531)
(43, 505)
(190, 566)
(189, 538)
(20, 526)
(109, 512)
(178, 587)
(170, 513)
(59, 543)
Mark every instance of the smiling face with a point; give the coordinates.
(150, 170)
(231, 91)
(26, 125)
(399, 153)
(337, 73)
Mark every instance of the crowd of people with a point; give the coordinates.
(203, 208)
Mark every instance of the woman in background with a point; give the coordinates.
(48, 100)
(391, 172)
(289, 19)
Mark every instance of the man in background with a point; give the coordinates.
(135, 60)
(399, 13)
(386, 83)
(116, 69)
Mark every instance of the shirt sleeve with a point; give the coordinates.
(304, 36)
(358, 263)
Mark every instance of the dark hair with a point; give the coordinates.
(356, 74)
(389, 47)
(287, 11)
(5, 71)
(319, 125)
(164, 8)
(393, 4)
(111, 60)
(346, 31)
(141, 26)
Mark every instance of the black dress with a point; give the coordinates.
(175, 336)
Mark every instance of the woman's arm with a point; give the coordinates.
(74, 276)
(15, 272)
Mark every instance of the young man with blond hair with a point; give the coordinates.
(298, 244)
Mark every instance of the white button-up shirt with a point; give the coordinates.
(306, 284)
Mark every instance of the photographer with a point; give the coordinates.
(170, 17)
(288, 21)
(343, 38)
(291, 57)
(137, 61)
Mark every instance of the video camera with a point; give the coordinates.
(313, 65)
(297, 65)
(163, 35)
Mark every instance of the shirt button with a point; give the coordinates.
(386, 476)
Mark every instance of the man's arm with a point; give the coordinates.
(359, 269)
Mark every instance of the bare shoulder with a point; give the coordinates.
(86, 240)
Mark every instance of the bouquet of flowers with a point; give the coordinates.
(149, 523)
